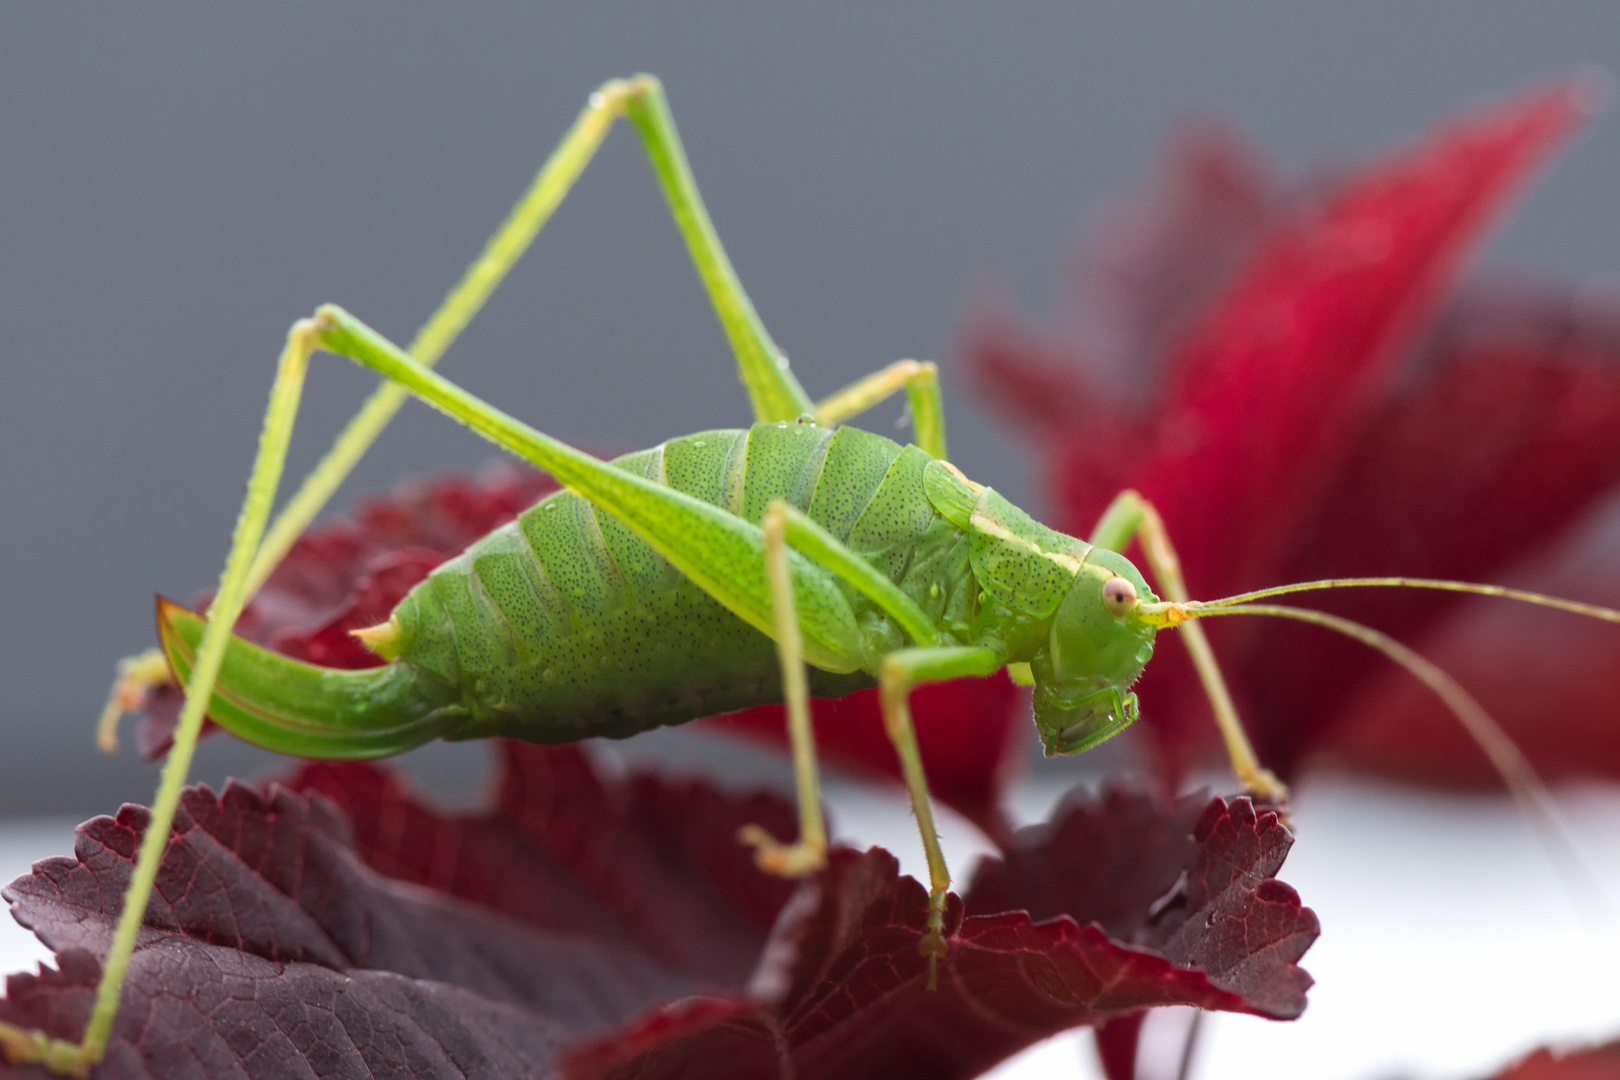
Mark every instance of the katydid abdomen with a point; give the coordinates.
(564, 625)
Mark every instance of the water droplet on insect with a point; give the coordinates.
(548, 675)
(698, 442)
(807, 418)
(782, 361)
(782, 424)
(597, 100)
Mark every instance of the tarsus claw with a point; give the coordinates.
(138, 676)
(782, 860)
(26, 1046)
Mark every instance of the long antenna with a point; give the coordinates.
(1526, 786)
(1540, 599)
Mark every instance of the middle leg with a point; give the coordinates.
(809, 853)
(785, 525)
(900, 671)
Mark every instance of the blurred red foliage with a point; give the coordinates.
(1292, 379)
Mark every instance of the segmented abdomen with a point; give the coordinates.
(564, 624)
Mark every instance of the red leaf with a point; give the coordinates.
(1151, 875)
(968, 731)
(1550, 679)
(504, 939)
(1117, 1041)
(1295, 356)
(649, 861)
(1271, 444)
(1501, 447)
(849, 999)
(322, 573)
(1593, 1063)
(383, 582)
(270, 947)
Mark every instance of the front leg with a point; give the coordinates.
(1130, 517)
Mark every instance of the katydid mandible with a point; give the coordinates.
(703, 575)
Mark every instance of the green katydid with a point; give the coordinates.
(700, 576)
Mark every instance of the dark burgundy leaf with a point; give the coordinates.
(1134, 851)
(1194, 881)
(319, 577)
(843, 986)
(499, 940)
(690, 1040)
(1280, 442)
(385, 579)
(645, 860)
(206, 1011)
(269, 942)
(970, 732)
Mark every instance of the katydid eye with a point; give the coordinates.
(1119, 596)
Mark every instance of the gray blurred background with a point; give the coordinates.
(178, 183)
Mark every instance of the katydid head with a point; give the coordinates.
(1096, 649)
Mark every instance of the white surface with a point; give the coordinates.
(22, 843)
(1449, 943)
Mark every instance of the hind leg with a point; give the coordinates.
(775, 393)
(29, 1046)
